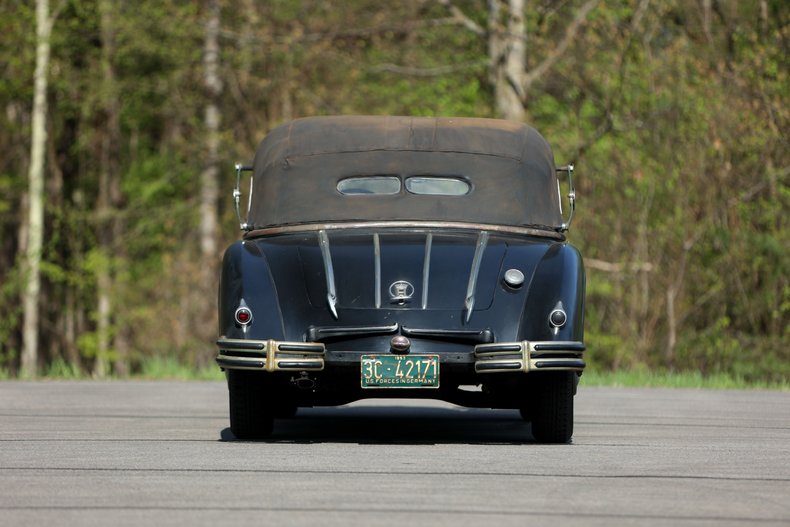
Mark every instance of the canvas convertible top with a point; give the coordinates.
(508, 166)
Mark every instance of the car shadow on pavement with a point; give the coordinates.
(399, 425)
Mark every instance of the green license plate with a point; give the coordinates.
(400, 371)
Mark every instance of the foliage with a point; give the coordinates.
(675, 113)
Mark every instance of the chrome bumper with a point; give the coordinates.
(528, 356)
(270, 355)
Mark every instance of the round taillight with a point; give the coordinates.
(243, 316)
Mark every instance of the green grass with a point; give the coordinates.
(60, 369)
(155, 368)
(168, 368)
(664, 379)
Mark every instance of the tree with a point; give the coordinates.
(506, 36)
(209, 176)
(209, 184)
(675, 112)
(109, 196)
(35, 230)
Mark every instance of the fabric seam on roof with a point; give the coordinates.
(400, 149)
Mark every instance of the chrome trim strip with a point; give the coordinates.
(242, 344)
(426, 269)
(249, 201)
(240, 363)
(498, 367)
(297, 365)
(331, 293)
(300, 348)
(317, 333)
(540, 232)
(469, 303)
(377, 267)
(553, 345)
(472, 336)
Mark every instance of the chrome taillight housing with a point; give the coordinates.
(243, 316)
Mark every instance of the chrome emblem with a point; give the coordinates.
(400, 344)
(401, 292)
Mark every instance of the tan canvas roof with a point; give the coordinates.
(509, 166)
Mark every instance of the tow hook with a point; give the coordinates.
(304, 382)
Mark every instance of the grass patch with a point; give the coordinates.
(664, 379)
(154, 368)
(168, 368)
(60, 369)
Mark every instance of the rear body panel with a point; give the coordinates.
(283, 281)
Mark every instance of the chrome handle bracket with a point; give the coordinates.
(568, 169)
(243, 225)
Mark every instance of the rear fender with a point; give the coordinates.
(558, 282)
(246, 277)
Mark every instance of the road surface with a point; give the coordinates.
(160, 453)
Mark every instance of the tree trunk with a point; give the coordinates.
(673, 289)
(209, 179)
(209, 184)
(109, 199)
(507, 54)
(707, 15)
(507, 37)
(672, 329)
(35, 231)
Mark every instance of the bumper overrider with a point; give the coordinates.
(270, 355)
(529, 356)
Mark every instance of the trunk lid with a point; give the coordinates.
(403, 270)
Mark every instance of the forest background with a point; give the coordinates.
(675, 113)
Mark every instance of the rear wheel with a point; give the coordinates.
(250, 416)
(551, 406)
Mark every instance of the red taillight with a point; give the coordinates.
(243, 316)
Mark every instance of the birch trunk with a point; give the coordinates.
(35, 231)
(507, 56)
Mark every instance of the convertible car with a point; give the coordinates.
(402, 257)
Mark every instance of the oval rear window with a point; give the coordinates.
(369, 185)
(437, 186)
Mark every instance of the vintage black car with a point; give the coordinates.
(402, 257)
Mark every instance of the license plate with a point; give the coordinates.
(400, 371)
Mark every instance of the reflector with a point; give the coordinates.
(243, 315)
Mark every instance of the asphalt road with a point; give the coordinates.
(156, 453)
